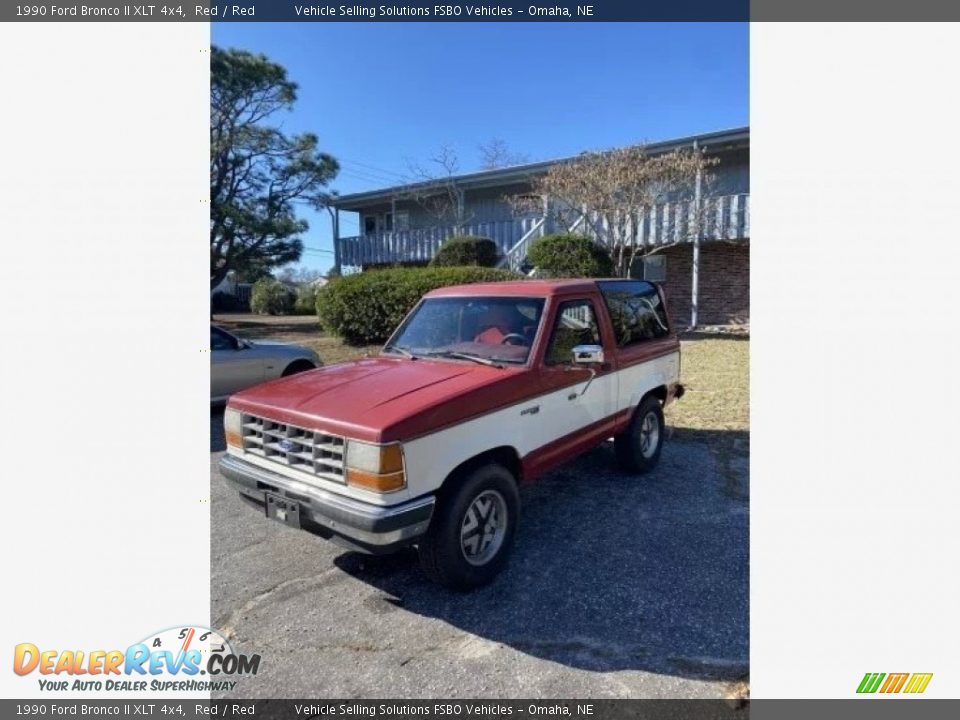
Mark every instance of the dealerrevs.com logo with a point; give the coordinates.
(182, 659)
(909, 683)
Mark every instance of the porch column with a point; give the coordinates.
(336, 240)
(695, 269)
(461, 210)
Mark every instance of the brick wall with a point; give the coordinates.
(724, 283)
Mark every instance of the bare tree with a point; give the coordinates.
(298, 274)
(497, 154)
(610, 195)
(437, 190)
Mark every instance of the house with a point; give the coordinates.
(228, 285)
(705, 274)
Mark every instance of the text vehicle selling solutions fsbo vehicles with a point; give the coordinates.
(482, 387)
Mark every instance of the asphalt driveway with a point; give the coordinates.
(618, 587)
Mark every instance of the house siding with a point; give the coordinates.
(730, 177)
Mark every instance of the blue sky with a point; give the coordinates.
(380, 94)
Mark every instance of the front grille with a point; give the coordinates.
(310, 451)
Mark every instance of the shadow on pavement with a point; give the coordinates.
(610, 572)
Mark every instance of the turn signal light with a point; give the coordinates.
(378, 483)
(375, 467)
(232, 428)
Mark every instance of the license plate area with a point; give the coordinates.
(281, 509)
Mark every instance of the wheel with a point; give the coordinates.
(638, 447)
(297, 366)
(473, 528)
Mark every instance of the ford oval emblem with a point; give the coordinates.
(287, 445)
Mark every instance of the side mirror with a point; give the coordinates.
(241, 344)
(588, 354)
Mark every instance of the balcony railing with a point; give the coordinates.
(726, 217)
(723, 218)
(421, 244)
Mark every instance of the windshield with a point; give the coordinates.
(491, 329)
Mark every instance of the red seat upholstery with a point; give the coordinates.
(492, 335)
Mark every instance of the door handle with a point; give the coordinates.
(574, 395)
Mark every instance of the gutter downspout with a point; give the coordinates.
(695, 270)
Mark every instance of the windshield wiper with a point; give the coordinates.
(402, 350)
(468, 356)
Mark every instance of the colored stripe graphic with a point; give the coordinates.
(895, 682)
(918, 682)
(870, 682)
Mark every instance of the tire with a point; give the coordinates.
(638, 447)
(297, 366)
(456, 551)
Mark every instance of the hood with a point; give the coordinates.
(381, 398)
(279, 345)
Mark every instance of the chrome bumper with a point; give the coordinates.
(356, 524)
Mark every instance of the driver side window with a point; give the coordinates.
(576, 324)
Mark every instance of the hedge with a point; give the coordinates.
(306, 301)
(221, 302)
(366, 308)
(467, 250)
(566, 256)
(271, 297)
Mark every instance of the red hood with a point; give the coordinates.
(384, 399)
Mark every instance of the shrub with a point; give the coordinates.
(564, 256)
(467, 250)
(271, 297)
(366, 307)
(306, 300)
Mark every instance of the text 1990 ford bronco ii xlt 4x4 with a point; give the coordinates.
(481, 387)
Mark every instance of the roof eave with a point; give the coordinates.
(522, 173)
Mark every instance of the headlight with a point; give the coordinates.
(375, 467)
(233, 427)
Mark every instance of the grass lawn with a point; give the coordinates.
(714, 369)
(716, 373)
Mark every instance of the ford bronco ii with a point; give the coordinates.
(482, 387)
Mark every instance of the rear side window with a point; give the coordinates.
(636, 310)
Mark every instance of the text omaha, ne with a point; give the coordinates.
(441, 11)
